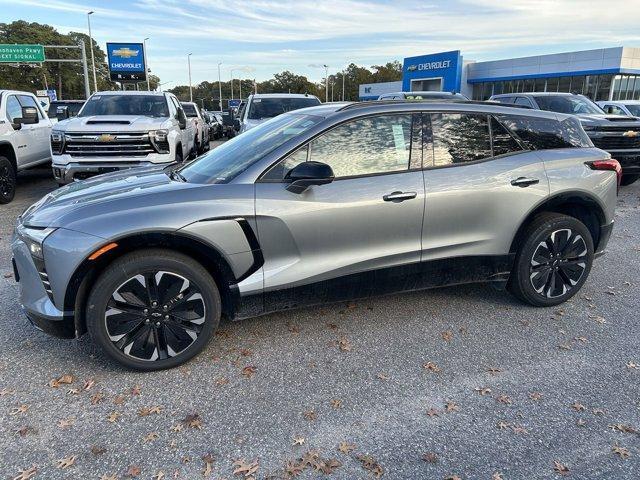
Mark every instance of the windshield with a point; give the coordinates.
(190, 110)
(233, 157)
(270, 107)
(634, 110)
(571, 104)
(148, 105)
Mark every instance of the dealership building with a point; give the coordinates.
(603, 74)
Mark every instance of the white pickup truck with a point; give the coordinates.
(119, 130)
(24, 138)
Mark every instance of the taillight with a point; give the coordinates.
(609, 164)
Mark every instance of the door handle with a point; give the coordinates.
(524, 182)
(398, 197)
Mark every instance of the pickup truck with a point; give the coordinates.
(24, 138)
(194, 114)
(120, 130)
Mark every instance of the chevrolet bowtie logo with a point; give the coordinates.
(125, 52)
(631, 133)
(105, 137)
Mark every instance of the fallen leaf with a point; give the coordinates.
(24, 431)
(298, 441)
(248, 371)
(18, 410)
(145, 411)
(208, 465)
(519, 429)
(344, 345)
(119, 399)
(335, 403)
(158, 476)
(242, 467)
(136, 390)
(310, 415)
(535, 396)
(293, 469)
(27, 473)
(89, 384)
(621, 451)
(113, 417)
(451, 407)
(66, 462)
(133, 471)
(111, 476)
(430, 457)
(433, 412)
(370, 464)
(494, 370)
(96, 450)
(328, 466)
(620, 427)
(150, 437)
(632, 366)
(66, 423)
(504, 399)
(560, 468)
(97, 398)
(447, 335)
(64, 379)
(382, 376)
(483, 390)
(502, 425)
(222, 381)
(346, 448)
(193, 421)
(432, 367)
(578, 407)
(497, 476)
(177, 427)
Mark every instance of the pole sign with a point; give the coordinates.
(21, 53)
(126, 62)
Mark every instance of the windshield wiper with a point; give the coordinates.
(176, 175)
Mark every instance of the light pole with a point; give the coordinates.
(343, 85)
(326, 83)
(231, 73)
(93, 61)
(163, 83)
(219, 86)
(146, 69)
(190, 86)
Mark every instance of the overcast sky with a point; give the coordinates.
(267, 36)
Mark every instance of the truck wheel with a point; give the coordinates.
(7, 180)
(153, 309)
(629, 179)
(553, 262)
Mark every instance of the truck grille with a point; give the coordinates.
(108, 144)
(614, 138)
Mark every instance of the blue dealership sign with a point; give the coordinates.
(126, 62)
(439, 71)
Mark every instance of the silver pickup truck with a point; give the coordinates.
(120, 130)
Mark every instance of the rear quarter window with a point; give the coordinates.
(544, 133)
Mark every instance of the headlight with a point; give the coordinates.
(34, 237)
(57, 141)
(159, 140)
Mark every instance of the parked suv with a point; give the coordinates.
(120, 130)
(201, 127)
(618, 135)
(24, 138)
(64, 109)
(263, 106)
(322, 204)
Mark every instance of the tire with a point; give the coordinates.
(541, 278)
(151, 336)
(629, 179)
(7, 180)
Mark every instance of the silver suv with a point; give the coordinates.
(318, 205)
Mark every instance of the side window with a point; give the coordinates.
(523, 101)
(502, 141)
(459, 138)
(27, 101)
(280, 170)
(370, 145)
(14, 109)
(538, 133)
(505, 99)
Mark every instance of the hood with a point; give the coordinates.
(608, 120)
(118, 190)
(120, 123)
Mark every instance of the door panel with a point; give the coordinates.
(338, 229)
(474, 209)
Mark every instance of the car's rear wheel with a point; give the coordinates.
(153, 309)
(7, 180)
(629, 179)
(553, 262)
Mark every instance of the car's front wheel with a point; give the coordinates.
(153, 309)
(553, 261)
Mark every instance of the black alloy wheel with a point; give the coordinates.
(553, 261)
(153, 309)
(558, 263)
(155, 316)
(7, 181)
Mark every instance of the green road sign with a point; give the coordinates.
(21, 53)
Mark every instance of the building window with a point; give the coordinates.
(604, 87)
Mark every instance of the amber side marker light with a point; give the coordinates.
(105, 249)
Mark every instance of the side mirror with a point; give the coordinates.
(29, 116)
(609, 110)
(62, 112)
(305, 174)
(182, 120)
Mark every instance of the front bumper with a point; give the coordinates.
(73, 171)
(34, 299)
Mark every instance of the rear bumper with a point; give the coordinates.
(605, 236)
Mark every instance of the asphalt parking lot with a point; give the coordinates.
(460, 383)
